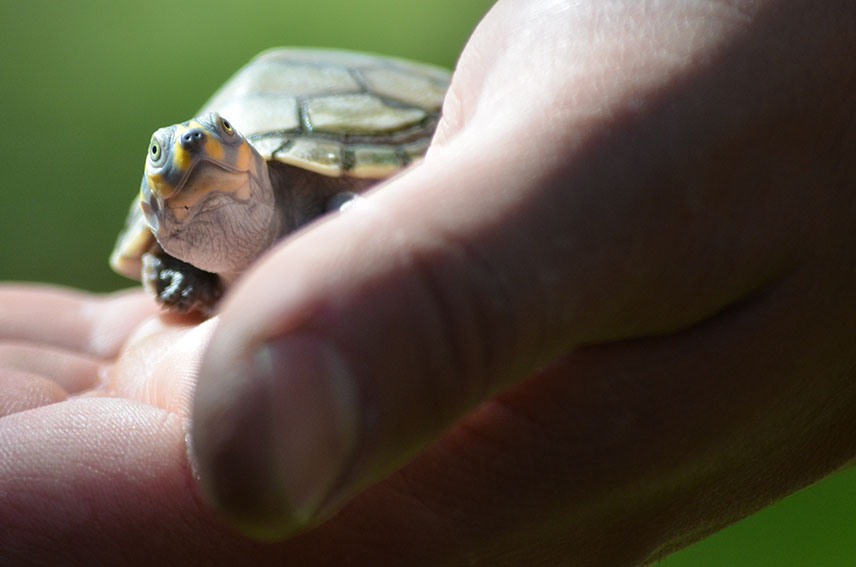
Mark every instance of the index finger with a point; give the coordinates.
(70, 319)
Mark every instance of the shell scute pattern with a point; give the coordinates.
(334, 112)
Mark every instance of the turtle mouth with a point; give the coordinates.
(205, 185)
(204, 162)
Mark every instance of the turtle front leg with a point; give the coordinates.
(178, 286)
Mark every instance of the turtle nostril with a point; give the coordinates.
(192, 138)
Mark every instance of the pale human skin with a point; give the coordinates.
(611, 313)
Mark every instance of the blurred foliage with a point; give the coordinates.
(84, 84)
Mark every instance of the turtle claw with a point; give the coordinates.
(178, 286)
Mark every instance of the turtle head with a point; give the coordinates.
(206, 195)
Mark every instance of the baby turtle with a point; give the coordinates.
(293, 134)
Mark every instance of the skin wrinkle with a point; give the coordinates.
(212, 241)
(466, 317)
(72, 371)
(20, 391)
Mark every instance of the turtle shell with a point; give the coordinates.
(334, 112)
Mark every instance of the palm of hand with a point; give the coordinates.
(95, 395)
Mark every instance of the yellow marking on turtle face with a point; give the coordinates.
(214, 149)
(244, 157)
(181, 159)
(158, 186)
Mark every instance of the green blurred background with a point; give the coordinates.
(83, 85)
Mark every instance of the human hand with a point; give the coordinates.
(612, 235)
(632, 229)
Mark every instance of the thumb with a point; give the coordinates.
(350, 347)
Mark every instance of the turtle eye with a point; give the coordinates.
(155, 151)
(227, 126)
